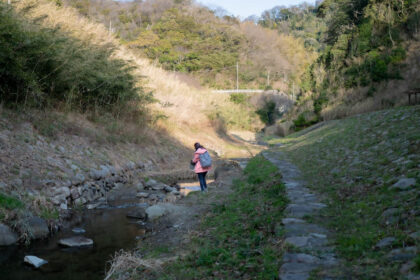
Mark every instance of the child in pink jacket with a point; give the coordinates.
(198, 169)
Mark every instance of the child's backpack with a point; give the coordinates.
(205, 160)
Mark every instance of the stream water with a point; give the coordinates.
(110, 230)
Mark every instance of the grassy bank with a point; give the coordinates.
(242, 236)
(239, 238)
(355, 162)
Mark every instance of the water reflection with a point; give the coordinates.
(187, 188)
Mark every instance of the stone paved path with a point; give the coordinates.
(309, 246)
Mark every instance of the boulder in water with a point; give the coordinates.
(34, 261)
(76, 241)
(7, 236)
(78, 230)
(154, 185)
(169, 189)
(138, 213)
(38, 228)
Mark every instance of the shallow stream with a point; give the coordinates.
(110, 230)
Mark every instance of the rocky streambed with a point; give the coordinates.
(119, 219)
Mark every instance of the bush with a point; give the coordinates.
(238, 98)
(379, 70)
(267, 113)
(301, 122)
(42, 67)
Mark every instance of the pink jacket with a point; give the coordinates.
(198, 168)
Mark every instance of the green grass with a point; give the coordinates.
(241, 237)
(354, 162)
(9, 202)
(49, 214)
(417, 261)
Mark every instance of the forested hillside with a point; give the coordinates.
(185, 37)
(300, 21)
(368, 54)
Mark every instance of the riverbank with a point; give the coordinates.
(54, 162)
(367, 168)
(234, 233)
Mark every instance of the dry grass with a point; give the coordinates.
(187, 108)
(128, 261)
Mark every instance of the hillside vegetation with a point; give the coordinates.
(137, 91)
(187, 38)
(44, 66)
(368, 55)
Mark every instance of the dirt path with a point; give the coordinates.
(309, 247)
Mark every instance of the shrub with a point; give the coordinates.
(301, 122)
(238, 98)
(267, 113)
(379, 70)
(42, 67)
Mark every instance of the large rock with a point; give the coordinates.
(38, 228)
(76, 241)
(64, 191)
(154, 185)
(130, 165)
(78, 179)
(142, 195)
(59, 199)
(75, 194)
(99, 174)
(386, 242)
(34, 261)
(138, 213)
(404, 184)
(7, 236)
(390, 216)
(169, 189)
(140, 186)
(154, 212)
(415, 235)
(402, 254)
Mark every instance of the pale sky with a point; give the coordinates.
(245, 8)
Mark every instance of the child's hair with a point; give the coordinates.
(197, 146)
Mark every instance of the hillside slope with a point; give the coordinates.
(368, 169)
(176, 100)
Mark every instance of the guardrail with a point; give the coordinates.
(242, 91)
